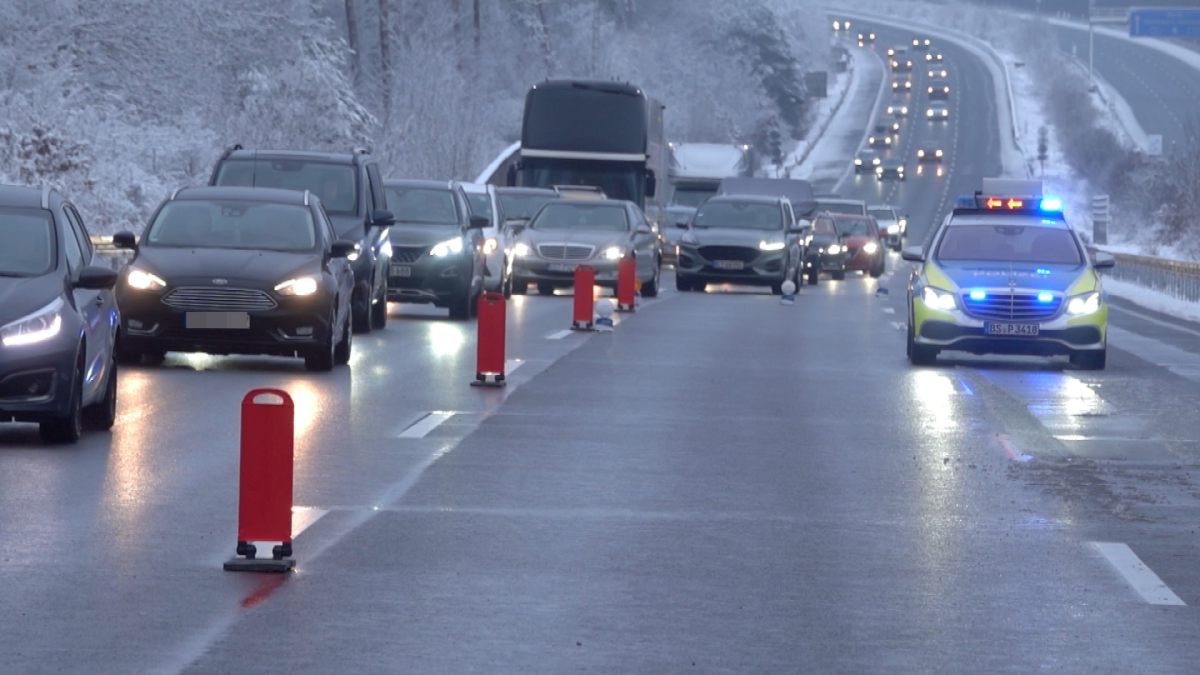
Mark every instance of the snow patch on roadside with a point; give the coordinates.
(1154, 300)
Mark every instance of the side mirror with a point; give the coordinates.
(479, 222)
(913, 254)
(1104, 260)
(96, 278)
(125, 240)
(644, 229)
(382, 218)
(342, 248)
(651, 184)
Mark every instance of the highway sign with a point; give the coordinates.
(1164, 22)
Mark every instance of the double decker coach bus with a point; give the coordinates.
(607, 135)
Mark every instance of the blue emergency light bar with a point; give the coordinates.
(980, 202)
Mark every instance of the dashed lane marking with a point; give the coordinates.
(559, 335)
(898, 325)
(1147, 317)
(889, 310)
(426, 424)
(1137, 574)
(511, 365)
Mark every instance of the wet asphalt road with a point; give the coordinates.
(723, 484)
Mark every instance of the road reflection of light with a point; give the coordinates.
(199, 361)
(1064, 395)
(308, 406)
(935, 393)
(128, 479)
(446, 339)
(936, 171)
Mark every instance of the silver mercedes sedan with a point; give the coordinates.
(567, 233)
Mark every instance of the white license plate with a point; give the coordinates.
(217, 320)
(729, 264)
(401, 271)
(561, 267)
(1022, 329)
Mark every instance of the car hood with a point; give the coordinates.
(421, 234)
(175, 265)
(22, 295)
(969, 274)
(583, 237)
(733, 236)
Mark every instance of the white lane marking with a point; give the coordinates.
(1141, 578)
(511, 365)
(426, 424)
(889, 310)
(559, 335)
(303, 517)
(1146, 317)
(1181, 362)
(898, 325)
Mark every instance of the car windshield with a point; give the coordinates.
(581, 216)
(1009, 243)
(738, 215)
(233, 224)
(523, 206)
(882, 214)
(850, 227)
(335, 184)
(28, 236)
(422, 205)
(842, 207)
(481, 204)
(691, 196)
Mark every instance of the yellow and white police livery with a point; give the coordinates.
(1006, 274)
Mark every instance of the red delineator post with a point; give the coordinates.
(626, 284)
(490, 341)
(585, 281)
(265, 480)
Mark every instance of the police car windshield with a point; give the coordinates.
(1010, 243)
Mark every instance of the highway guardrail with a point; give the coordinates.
(1176, 278)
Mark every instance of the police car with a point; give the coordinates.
(1006, 274)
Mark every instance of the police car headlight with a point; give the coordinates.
(935, 298)
(1084, 304)
(893, 229)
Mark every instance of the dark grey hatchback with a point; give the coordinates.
(58, 319)
(740, 239)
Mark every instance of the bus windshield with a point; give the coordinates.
(618, 180)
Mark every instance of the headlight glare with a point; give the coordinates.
(448, 247)
(771, 245)
(1084, 304)
(893, 229)
(614, 253)
(39, 326)
(298, 286)
(871, 247)
(521, 250)
(143, 280)
(935, 298)
(834, 249)
(490, 245)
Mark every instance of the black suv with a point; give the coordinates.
(351, 189)
(58, 319)
(437, 246)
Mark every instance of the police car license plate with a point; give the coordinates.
(1021, 329)
(729, 264)
(401, 271)
(217, 320)
(561, 267)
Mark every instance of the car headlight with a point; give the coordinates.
(887, 141)
(920, 153)
(929, 113)
(297, 286)
(1084, 304)
(448, 247)
(875, 161)
(938, 153)
(833, 249)
(689, 239)
(871, 247)
(879, 169)
(521, 250)
(893, 229)
(935, 298)
(143, 280)
(771, 245)
(39, 326)
(903, 223)
(614, 253)
(490, 245)
(857, 162)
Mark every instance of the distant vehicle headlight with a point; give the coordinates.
(521, 250)
(771, 245)
(297, 286)
(871, 247)
(144, 281)
(893, 229)
(614, 253)
(1084, 304)
(857, 162)
(929, 113)
(448, 247)
(936, 298)
(38, 326)
(938, 153)
(920, 153)
(833, 249)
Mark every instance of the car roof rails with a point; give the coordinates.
(46, 196)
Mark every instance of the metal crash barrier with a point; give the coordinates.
(1173, 277)
(107, 254)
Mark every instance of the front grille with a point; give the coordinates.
(742, 253)
(407, 254)
(202, 299)
(1020, 306)
(564, 252)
